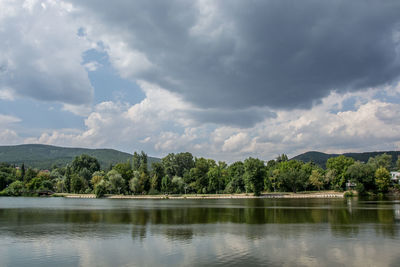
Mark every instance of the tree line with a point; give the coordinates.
(182, 173)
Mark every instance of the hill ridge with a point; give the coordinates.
(320, 158)
(44, 156)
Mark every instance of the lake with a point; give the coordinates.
(225, 232)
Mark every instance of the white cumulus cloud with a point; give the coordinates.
(42, 53)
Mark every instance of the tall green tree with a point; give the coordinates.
(361, 173)
(275, 179)
(139, 162)
(178, 164)
(316, 179)
(143, 163)
(215, 182)
(85, 162)
(29, 175)
(178, 185)
(78, 184)
(235, 182)
(22, 171)
(125, 170)
(254, 171)
(304, 175)
(183, 163)
(134, 185)
(97, 177)
(116, 181)
(289, 173)
(101, 188)
(282, 158)
(136, 161)
(156, 174)
(398, 163)
(339, 165)
(382, 179)
(144, 180)
(169, 164)
(383, 160)
(199, 174)
(166, 184)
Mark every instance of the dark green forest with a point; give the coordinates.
(44, 157)
(184, 174)
(320, 158)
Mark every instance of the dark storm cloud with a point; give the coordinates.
(280, 54)
(55, 85)
(236, 118)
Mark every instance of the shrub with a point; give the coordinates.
(360, 189)
(349, 194)
(100, 189)
(16, 188)
(153, 191)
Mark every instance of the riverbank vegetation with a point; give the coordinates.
(183, 174)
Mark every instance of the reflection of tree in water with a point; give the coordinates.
(139, 232)
(171, 232)
(176, 222)
(396, 208)
(347, 222)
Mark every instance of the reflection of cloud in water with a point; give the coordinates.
(308, 233)
(230, 244)
(220, 245)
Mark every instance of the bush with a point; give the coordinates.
(100, 189)
(153, 191)
(382, 179)
(88, 191)
(229, 188)
(360, 189)
(16, 188)
(349, 194)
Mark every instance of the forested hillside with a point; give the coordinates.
(320, 158)
(45, 156)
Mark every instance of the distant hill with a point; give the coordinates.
(45, 156)
(321, 158)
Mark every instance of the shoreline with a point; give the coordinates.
(326, 194)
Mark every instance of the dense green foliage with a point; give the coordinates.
(45, 157)
(182, 173)
(320, 158)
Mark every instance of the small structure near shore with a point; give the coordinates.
(395, 177)
(43, 193)
(350, 185)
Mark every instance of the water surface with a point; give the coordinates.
(224, 232)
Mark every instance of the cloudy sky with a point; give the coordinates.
(221, 79)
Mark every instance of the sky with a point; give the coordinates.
(221, 79)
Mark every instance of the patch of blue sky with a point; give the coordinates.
(349, 104)
(81, 32)
(108, 85)
(382, 95)
(37, 114)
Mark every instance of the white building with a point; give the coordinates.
(395, 177)
(350, 185)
